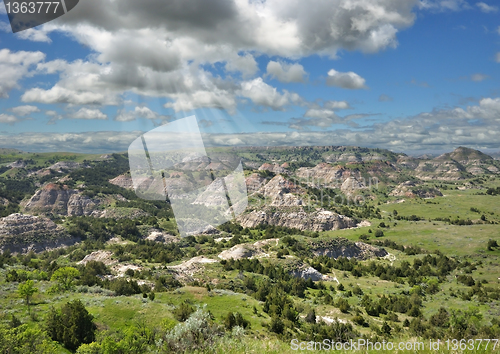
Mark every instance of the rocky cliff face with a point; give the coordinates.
(124, 181)
(351, 185)
(275, 168)
(411, 190)
(254, 182)
(66, 166)
(457, 165)
(281, 192)
(308, 272)
(23, 233)
(441, 170)
(55, 199)
(324, 173)
(341, 247)
(17, 164)
(317, 221)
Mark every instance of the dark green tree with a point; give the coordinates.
(72, 325)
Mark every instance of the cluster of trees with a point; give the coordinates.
(151, 251)
(393, 303)
(408, 218)
(14, 190)
(409, 250)
(362, 211)
(493, 191)
(277, 277)
(232, 320)
(462, 222)
(428, 266)
(483, 293)
(71, 325)
(456, 324)
(102, 229)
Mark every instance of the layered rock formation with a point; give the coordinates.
(60, 200)
(322, 220)
(66, 166)
(275, 168)
(457, 165)
(411, 189)
(124, 181)
(351, 185)
(23, 233)
(254, 182)
(341, 247)
(281, 192)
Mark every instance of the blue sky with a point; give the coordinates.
(406, 75)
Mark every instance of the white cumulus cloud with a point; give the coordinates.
(265, 95)
(88, 113)
(14, 66)
(160, 48)
(286, 72)
(24, 110)
(138, 112)
(347, 80)
(8, 119)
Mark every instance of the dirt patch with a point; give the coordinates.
(99, 256)
(247, 250)
(159, 236)
(188, 268)
(364, 223)
(120, 269)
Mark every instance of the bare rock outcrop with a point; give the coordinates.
(248, 250)
(99, 256)
(322, 220)
(308, 272)
(60, 200)
(254, 182)
(124, 181)
(119, 213)
(411, 189)
(341, 247)
(240, 251)
(18, 164)
(351, 185)
(187, 269)
(160, 236)
(23, 233)
(62, 166)
(281, 192)
(275, 168)
(325, 174)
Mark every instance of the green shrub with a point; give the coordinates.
(72, 325)
(197, 333)
(183, 311)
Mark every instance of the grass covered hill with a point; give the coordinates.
(337, 243)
